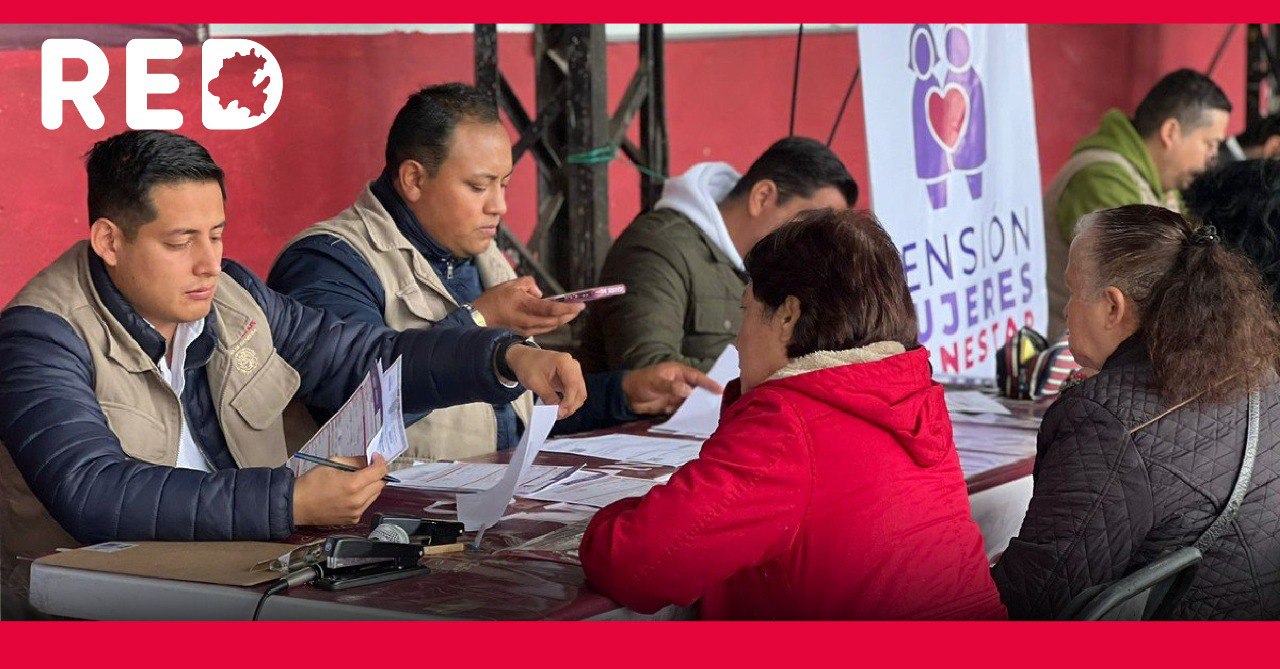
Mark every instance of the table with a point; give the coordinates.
(506, 579)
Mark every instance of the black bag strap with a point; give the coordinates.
(1229, 512)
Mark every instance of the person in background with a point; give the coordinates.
(1173, 136)
(1242, 201)
(1138, 460)
(417, 250)
(682, 262)
(832, 488)
(143, 377)
(1259, 140)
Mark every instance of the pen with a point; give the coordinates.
(336, 465)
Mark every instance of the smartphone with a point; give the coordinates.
(590, 294)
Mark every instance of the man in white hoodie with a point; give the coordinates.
(682, 262)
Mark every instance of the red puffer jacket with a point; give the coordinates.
(833, 494)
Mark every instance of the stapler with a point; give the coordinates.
(355, 561)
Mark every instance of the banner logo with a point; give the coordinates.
(241, 83)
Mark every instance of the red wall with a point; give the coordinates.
(726, 100)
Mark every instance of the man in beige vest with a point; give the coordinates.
(1173, 136)
(143, 378)
(416, 250)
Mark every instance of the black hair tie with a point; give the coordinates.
(1206, 235)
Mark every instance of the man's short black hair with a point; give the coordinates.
(124, 168)
(799, 166)
(1184, 95)
(424, 125)
(1261, 130)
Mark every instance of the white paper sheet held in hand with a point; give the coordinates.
(391, 440)
(371, 421)
(480, 510)
(699, 416)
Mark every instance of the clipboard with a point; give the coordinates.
(242, 563)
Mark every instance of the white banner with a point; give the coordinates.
(955, 179)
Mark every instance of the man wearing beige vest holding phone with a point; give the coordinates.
(416, 250)
(143, 378)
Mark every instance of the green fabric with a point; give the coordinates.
(683, 299)
(1105, 185)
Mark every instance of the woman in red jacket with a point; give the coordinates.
(832, 488)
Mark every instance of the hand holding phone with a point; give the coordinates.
(590, 294)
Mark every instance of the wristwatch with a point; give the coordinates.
(476, 316)
(506, 376)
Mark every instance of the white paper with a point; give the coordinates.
(474, 477)
(597, 491)
(391, 440)
(1009, 441)
(699, 416)
(560, 512)
(371, 421)
(349, 431)
(667, 451)
(480, 510)
(1025, 422)
(983, 448)
(974, 401)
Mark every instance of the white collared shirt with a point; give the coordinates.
(189, 455)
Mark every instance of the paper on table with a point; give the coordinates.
(480, 510)
(700, 414)
(1024, 422)
(473, 477)
(1011, 441)
(630, 448)
(974, 401)
(597, 491)
(982, 448)
(973, 463)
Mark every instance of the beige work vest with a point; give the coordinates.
(416, 298)
(250, 383)
(1057, 246)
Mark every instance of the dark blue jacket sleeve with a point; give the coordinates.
(58, 436)
(440, 366)
(606, 405)
(324, 272)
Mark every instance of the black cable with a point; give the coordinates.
(795, 83)
(304, 575)
(276, 588)
(1222, 46)
(840, 114)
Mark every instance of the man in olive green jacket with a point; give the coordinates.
(1173, 136)
(682, 262)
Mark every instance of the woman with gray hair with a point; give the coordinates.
(1141, 459)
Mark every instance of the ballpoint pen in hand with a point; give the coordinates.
(336, 465)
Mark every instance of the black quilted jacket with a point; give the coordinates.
(1120, 480)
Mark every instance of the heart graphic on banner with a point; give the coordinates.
(948, 115)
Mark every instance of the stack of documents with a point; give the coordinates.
(473, 477)
(668, 451)
(593, 489)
